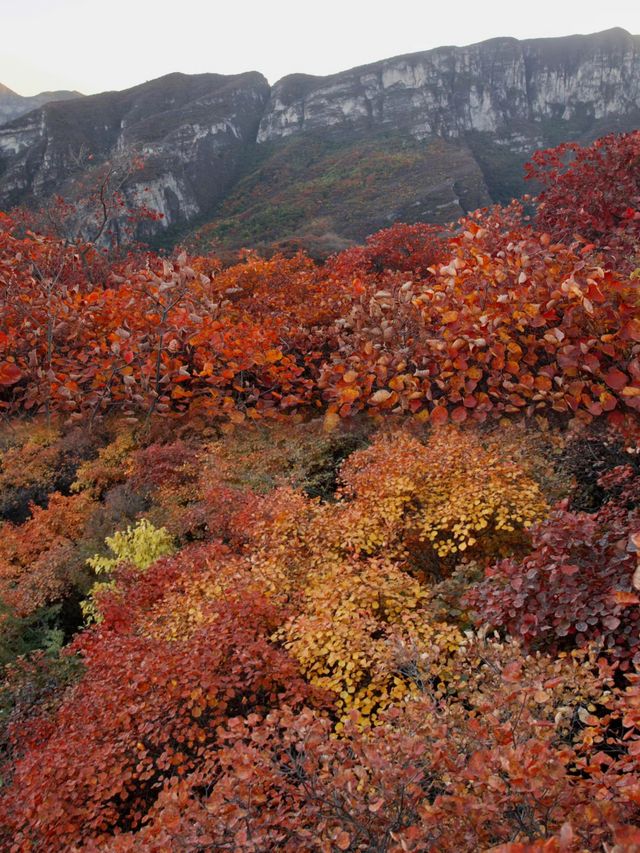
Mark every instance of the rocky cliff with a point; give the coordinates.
(424, 136)
(191, 130)
(494, 87)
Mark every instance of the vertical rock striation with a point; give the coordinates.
(494, 86)
(191, 130)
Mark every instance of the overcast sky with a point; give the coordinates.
(112, 44)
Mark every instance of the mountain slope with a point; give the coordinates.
(190, 129)
(425, 136)
(13, 105)
(324, 190)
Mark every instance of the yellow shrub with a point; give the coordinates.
(349, 570)
(140, 546)
(108, 468)
(448, 497)
(353, 620)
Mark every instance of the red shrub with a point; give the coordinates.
(410, 249)
(492, 760)
(145, 711)
(593, 192)
(579, 583)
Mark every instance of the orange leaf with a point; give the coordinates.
(542, 383)
(439, 415)
(608, 401)
(379, 397)
(349, 394)
(397, 383)
(331, 421)
(343, 841)
(626, 598)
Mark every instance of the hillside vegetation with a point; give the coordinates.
(322, 192)
(339, 557)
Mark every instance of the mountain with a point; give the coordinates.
(13, 105)
(326, 160)
(193, 132)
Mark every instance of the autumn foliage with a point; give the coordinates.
(494, 318)
(339, 557)
(593, 192)
(153, 717)
(580, 582)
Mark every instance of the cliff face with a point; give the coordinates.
(191, 130)
(495, 87)
(426, 136)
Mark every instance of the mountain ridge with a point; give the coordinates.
(257, 163)
(13, 105)
(612, 32)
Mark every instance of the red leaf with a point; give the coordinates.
(459, 415)
(616, 379)
(9, 373)
(439, 415)
(631, 330)
(512, 672)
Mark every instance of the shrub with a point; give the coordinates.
(139, 546)
(435, 502)
(579, 584)
(146, 710)
(593, 192)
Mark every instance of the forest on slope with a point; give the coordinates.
(328, 557)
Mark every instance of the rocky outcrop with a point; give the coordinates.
(494, 86)
(12, 105)
(266, 163)
(192, 132)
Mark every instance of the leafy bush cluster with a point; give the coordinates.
(218, 677)
(495, 316)
(280, 568)
(138, 546)
(579, 583)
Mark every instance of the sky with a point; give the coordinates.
(100, 45)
